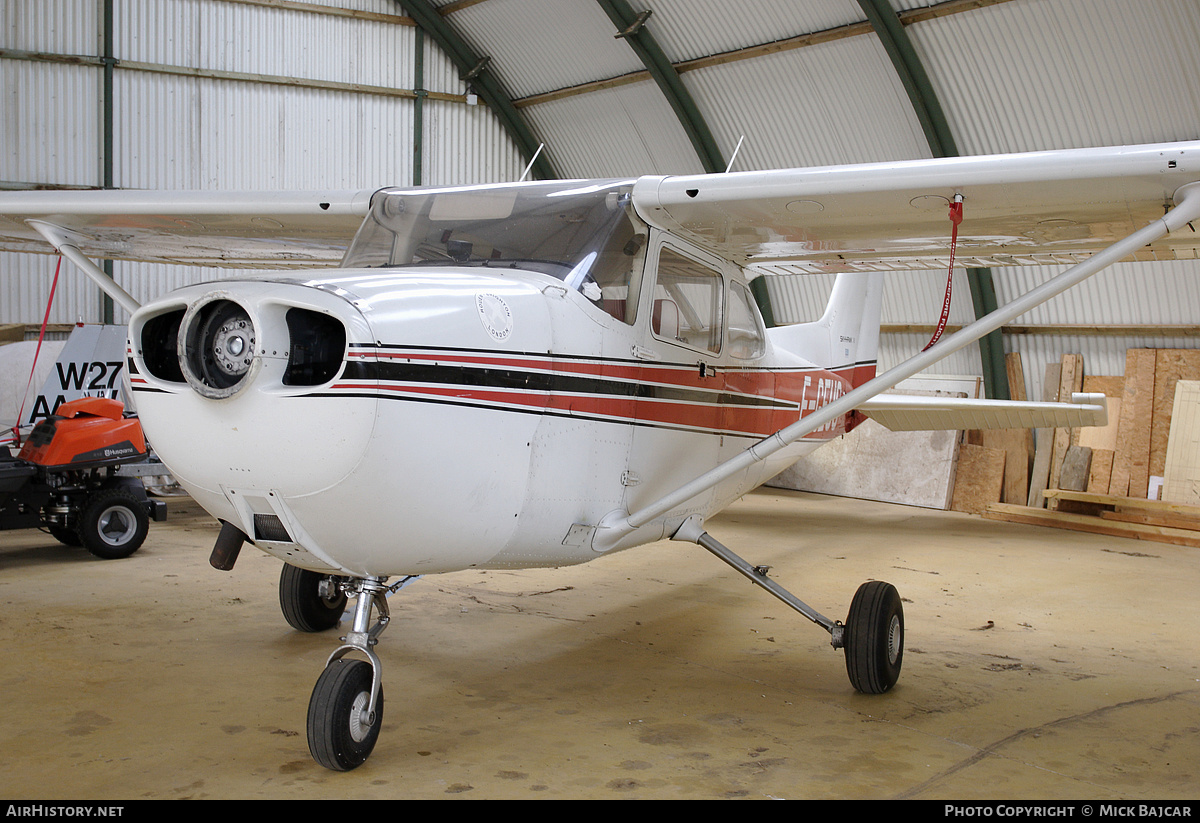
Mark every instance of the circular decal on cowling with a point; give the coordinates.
(495, 314)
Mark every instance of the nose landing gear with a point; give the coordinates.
(346, 707)
(345, 711)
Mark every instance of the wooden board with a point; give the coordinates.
(1181, 478)
(1015, 370)
(1125, 503)
(1070, 381)
(1170, 366)
(1107, 384)
(1101, 471)
(1077, 467)
(1039, 475)
(1094, 525)
(1131, 464)
(1015, 443)
(978, 480)
(1102, 440)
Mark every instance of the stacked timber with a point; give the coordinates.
(1137, 477)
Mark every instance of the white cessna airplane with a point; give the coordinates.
(537, 374)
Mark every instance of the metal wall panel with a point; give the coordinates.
(466, 144)
(690, 29)
(54, 26)
(49, 131)
(273, 41)
(192, 133)
(602, 135)
(1042, 74)
(174, 131)
(25, 285)
(814, 106)
(542, 45)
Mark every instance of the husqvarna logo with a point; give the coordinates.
(495, 315)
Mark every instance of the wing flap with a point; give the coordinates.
(1018, 209)
(918, 413)
(240, 229)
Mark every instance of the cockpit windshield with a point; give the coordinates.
(582, 233)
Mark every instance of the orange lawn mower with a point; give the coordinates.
(67, 479)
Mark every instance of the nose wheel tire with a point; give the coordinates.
(874, 637)
(341, 735)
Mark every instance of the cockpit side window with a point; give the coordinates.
(747, 339)
(617, 271)
(689, 302)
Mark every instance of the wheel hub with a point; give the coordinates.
(115, 526)
(895, 641)
(361, 720)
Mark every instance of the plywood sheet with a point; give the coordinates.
(1018, 453)
(1101, 471)
(1170, 366)
(1104, 437)
(1131, 464)
(978, 480)
(1181, 480)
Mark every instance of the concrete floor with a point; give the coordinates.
(1040, 664)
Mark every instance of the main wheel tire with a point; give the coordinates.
(339, 738)
(874, 637)
(113, 524)
(304, 607)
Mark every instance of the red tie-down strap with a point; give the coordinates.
(16, 429)
(956, 212)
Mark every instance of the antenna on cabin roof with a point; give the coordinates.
(736, 149)
(532, 160)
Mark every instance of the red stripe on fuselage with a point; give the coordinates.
(802, 391)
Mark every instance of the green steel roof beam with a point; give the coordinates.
(899, 48)
(631, 27)
(475, 70)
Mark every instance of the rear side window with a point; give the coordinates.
(688, 302)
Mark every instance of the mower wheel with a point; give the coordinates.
(113, 524)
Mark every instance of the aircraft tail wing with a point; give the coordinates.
(847, 334)
(916, 413)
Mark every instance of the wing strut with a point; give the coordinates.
(617, 524)
(56, 236)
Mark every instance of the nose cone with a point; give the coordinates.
(229, 385)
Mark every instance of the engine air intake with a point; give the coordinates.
(160, 346)
(316, 350)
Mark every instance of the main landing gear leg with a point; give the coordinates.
(872, 636)
(346, 708)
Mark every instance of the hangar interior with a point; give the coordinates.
(1049, 656)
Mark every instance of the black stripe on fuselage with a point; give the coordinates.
(485, 377)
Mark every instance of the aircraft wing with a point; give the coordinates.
(238, 229)
(899, 412)
(1033, 208)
